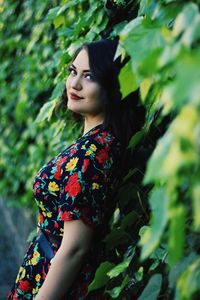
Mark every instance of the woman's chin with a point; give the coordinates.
(75, 110)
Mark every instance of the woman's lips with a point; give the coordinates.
(74, 96)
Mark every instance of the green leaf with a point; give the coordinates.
(156, 160)
(169, 156)
(152, 289)
(159, 254)
(176, 233)
(151, 236)
(121, 267)
(116, 237)
(143, 229)
(101, 277)
(118, 27)
(20, 111)
(127, 79)
(145, 87)
(136, 138)
(188, 282)
(166, 14)
(139, 274)
(57, 92)
(53, 12)
(129, 219)
(196, 206)
(58, 21)
(179, 268)
(187, 23)
(115, 292)
(135, 37)
(46, 111)
(185, 87)
(127, 191)
(131, 172)
(147, 7)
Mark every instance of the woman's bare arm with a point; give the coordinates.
(67, 261)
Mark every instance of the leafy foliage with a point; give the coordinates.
(153, 244)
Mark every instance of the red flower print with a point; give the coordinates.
(43, 273)
(44, 175)
(107, 148)
(58, 173)
(60, 161)
(10, 293)
(73, 187)
(73, 150)
(55, 225)
(102, 156)
(37, 184)
(73, 178)
(86, 163)
(101, 139)
(41, 218)
(24, 286)
(66, 215)
(15, 297)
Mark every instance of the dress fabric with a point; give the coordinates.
(76, 184)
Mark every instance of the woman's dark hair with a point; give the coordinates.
(122, 117)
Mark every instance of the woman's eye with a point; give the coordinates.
(71, 71)
(89, 76)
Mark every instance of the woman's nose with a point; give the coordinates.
(76, 82)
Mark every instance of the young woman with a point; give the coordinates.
(74, 190)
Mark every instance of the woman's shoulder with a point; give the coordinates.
(101, 138)
(99, 146)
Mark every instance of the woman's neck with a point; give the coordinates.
(89, 124)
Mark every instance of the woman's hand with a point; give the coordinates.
(67, 261)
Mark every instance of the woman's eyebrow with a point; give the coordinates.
(83, 70)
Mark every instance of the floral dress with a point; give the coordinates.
(76, 184)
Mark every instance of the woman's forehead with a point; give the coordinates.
(81, 61)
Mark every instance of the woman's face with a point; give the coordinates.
(85, 95)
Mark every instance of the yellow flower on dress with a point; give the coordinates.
(83, 147)
(93, 147)
(34, 291)
(88, 152)
(41, 206)
(71, 164)
(36, 254)
(17, 279)
(37, 277)
(34, 261)
(21, 274)
(48, 214)
(53, 186)
(95, 186)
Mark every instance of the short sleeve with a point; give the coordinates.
(84, 183)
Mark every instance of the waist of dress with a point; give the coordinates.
(52, 238)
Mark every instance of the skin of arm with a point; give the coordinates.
(66, 263)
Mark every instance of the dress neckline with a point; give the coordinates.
(92, 130)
